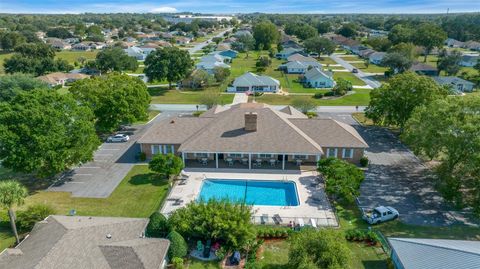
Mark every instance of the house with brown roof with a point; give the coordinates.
(65, 242)
(251, 135)
(60, 78)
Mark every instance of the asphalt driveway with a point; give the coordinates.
(111, 163)
(396, 177)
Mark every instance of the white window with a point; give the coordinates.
(300, 157)
(347, 153)
(168, 149)
(332, 153)
(264, 155)
(235, 155)
(156, 149)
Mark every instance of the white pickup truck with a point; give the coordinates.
(380, 214)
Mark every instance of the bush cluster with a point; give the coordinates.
(158, 225)
(318, 95)
(362, 235)
(330, 93)
(26, 219)
(178, 245)
(364, 161)
(273, 232)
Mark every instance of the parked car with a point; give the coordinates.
(354, 70)
(380, 214)
(118, 138)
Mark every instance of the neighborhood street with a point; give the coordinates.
(200, 46)
(361, 75)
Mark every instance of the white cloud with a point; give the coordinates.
(164, 10)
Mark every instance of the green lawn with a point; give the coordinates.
(72, 56)
(350, 77)
(326, 60)
(372, 68)
(359, 98)
(197, 264)
(162, 95)
(139, 194)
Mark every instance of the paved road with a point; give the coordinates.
(112, 161)
(361, 75)
(200, 46)
(397, 178)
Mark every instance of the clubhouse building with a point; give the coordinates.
(253, 136)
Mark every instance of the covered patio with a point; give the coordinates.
(275, 161)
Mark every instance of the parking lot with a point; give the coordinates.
(111, 163)
(395, 177)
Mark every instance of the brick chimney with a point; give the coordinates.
(250, 121)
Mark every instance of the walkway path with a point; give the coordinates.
(240, 98)
(361, 75)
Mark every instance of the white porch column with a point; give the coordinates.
(183, 157)
(249, 160)
(317, 158)
(216, 160)
(283, 162)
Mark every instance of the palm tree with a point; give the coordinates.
(12, 193)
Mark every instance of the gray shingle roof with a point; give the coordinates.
(415, 253)
(299, 57)
(451, 81)
(316, 73)
(221, 129)
(82, 242)
(250, 79)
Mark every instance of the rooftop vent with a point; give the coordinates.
(251, 121)
(109, 236)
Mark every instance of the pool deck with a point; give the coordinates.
(313, 201)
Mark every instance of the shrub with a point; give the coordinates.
(279, 232)
(178, 246)
(318, 95)
(158, 225)
(197, 113)
(27, 219)
(311, 114)
(330, 93)
(257, 94)
(142, 156)
(364, 161)
(221, 253)
(177, 263)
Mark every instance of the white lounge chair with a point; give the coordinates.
(300, 222)
(313, 223)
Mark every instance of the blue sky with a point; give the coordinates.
(239, 6)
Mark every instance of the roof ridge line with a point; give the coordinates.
(298, 130)
(442, 247)
(348, 131)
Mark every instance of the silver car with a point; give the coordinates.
(118, 138)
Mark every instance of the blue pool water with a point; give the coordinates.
(252, 192)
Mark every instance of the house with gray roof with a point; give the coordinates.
(297, 67)
(376, 57)
(285, 53)
(250, 82)
(456, 84)
(301, 58)
(87, 243)
(251, 133)
(416, 253)
(211, 61)
(318, 78)
(469, 60)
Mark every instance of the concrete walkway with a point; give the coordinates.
(240, 98)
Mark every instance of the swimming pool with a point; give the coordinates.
(252, 192)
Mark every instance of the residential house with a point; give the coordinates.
(210, 66)
(60, 45)
(148, 48)
(453, 43)
(250, 82)
(376, 57)
(97, 45)
(253, 135)
(224, 46)
(356, 49)
(318, 78)
(72, 40)
(377, 33)
(286, 52)
(65, 242)
(416, 253)
(469, 60)
(457, 84)
(301, 58)
(182, 40)
(297, 67)
(350, 44)
(84, 46)
(472, 45)
(139, 53)
(366, 53)
(424, 69)
(60, 78)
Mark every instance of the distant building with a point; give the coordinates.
(424, 69)
(417, 253)
(286, 52)
(376, 57)
(455, 83)
(469, 60)
(60, 45)
(452, 43)
(297, 67)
